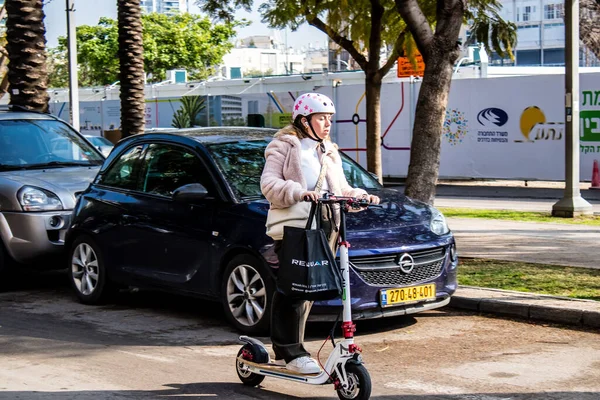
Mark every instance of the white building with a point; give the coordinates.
(540, 34)
(264, 55)
(168, 7)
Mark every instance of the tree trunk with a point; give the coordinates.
(588, 25)
(131, 57)
(26, 46)
(425, 149)
(373, 97)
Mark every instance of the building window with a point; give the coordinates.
(559, 11)
(527, 14)
(553, 11)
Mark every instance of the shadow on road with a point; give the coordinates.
(140, 318)
(238, 391)
(22, 278)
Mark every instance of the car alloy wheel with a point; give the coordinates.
(84, 267)
(87, 271)
(246, 294)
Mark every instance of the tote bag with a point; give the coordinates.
(307, 266)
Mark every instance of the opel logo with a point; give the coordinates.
(406, 263)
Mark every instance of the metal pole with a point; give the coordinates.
(335, 135)
(208, 110)
(102, 117)
(72, 54)
(572, 204)
(287, 58)
(542, 32)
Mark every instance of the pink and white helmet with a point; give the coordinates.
(311, 103)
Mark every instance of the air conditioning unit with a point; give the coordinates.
(177, 75)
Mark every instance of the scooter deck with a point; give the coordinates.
(276, 368)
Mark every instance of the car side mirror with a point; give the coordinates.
(190, 193)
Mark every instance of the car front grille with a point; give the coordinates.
(383, 270)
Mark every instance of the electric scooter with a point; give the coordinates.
(344, 367)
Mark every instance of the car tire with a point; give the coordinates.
(246, 292)
(87, 271)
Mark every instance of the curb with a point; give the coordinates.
(529, 306)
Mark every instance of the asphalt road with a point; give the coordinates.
(153, 345)
(547, 243)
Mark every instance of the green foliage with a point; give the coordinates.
(489, 28)
(351, 19)
(184, 41)
(254, 73)
(348, 18)
(58, 72)
(509, 215)
(187, 115)
(234, 121)
(581, 283)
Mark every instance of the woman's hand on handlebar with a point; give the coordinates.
(310, 196)
(372, 199)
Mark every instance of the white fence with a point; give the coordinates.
(505, 128)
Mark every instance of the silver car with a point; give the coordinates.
(44, 164)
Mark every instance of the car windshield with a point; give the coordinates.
(242, 164)
(28, 144)
(99, 141)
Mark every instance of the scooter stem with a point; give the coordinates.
(348, 327)
(346, 295)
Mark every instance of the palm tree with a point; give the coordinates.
(187, 115)
(26, 47)
(589, 29)
(131, 57)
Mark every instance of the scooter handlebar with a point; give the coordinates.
(352, 202)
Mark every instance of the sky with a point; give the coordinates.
(88, 12)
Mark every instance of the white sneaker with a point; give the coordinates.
(304, 365)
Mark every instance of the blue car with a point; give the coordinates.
(182, 211)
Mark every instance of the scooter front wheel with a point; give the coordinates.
(359, 383)
(248, 378)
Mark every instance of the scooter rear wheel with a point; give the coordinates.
(359, 382)
(248, 378)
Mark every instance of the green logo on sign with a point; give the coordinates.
(590, 126)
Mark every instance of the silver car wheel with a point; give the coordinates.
(84, 267)
(246, 295)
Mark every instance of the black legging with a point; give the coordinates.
(288, 319)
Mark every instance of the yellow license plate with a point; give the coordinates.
(392, 297)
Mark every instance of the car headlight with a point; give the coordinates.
(438, 223)
(35, 199)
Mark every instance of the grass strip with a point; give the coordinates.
(510, 215)
(580, 283)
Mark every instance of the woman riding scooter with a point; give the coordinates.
(301, 162)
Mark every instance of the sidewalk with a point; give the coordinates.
(534, 307)
(559, 244)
